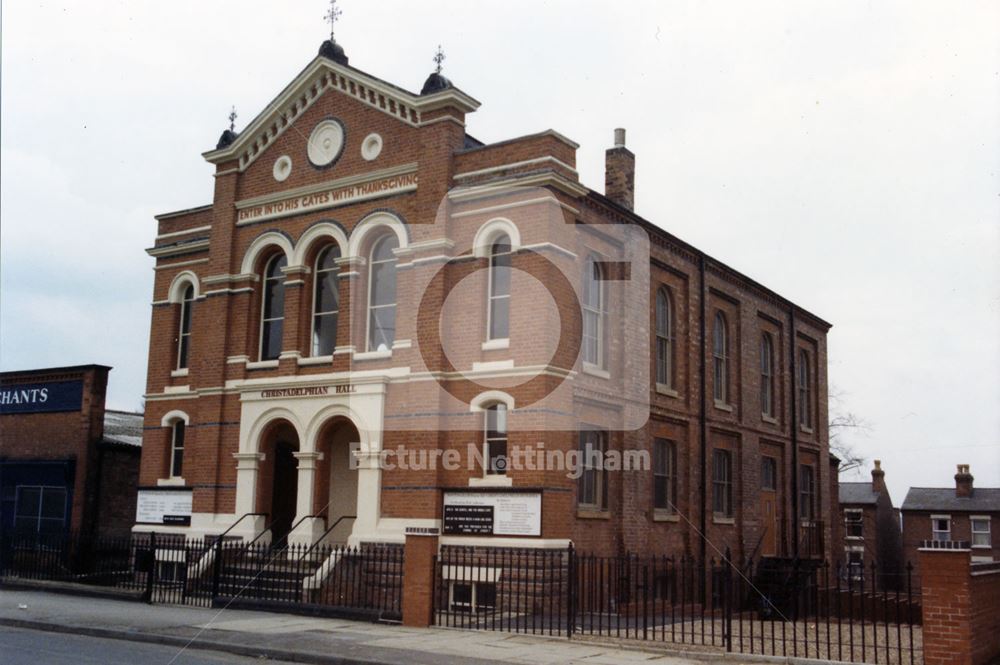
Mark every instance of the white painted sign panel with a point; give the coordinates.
(163, 507)
(493, 513)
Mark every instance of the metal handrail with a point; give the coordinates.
(233, 525)
(326, 533)
(292, 529)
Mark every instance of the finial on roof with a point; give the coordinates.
(436, 82)
(438, 59)
(332, 16)
(229, 135)
(232, 119)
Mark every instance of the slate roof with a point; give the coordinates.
(857, 493)
(983, 499)
(123, 428)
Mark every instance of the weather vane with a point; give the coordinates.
(332, 16)
(232, 119)
(439, 58)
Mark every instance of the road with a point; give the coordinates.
(19, 646)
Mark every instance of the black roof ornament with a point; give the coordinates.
(330, 49)
(230, 134)
(436, 82)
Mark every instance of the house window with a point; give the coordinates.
(664, 475)
(856, 565)
(807, 492)
(593, 313)
(498, 312)
(593, 476)
(496, 439)
(272, 317)
(767, 375)
(472, 597)
(769, 474)
(326, 302)
(177, 449)
(981, 532)
(382, 294)
(853, 523)
(184, 334)
(722, 483)
(664, 339)
(720, 358)
(40, 509)
(941, 528)
(805, 390)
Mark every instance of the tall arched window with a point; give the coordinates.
(720, 357)
(593, 313)
(496, 439)
(805, 390)
(177, 449)
(664, 339)
(272, 312)
(184, 332)
(498, 310)
(326, 302)
(382, 294)
(766, 375)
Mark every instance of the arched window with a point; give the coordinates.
(326, 302)
(382, 294)
(805, 390)
(496, 439)
(498, 310)
(720, 357)
(184, 332)
(272, 313)
(593, 313)
(177, 449)
(664, 339)
(766, 375)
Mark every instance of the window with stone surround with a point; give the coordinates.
(272, 313)
(720, 359)
(498, 307)
(184, 331)
(382, 294)
(664, 339)
(326, 301)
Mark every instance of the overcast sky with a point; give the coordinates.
(846, 154)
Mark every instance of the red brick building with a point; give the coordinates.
(871, 533)
(963, 514)
(371, 281)
(66, 464)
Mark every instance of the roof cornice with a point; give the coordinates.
(320, 75)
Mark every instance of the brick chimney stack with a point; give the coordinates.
(878, 477)
(963, 481)
(619, 172)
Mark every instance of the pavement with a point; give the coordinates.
(290, 638)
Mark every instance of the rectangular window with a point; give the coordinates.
(472, 597)
(722, 483)
(941, 528)
(981, 532)
(40, 509)
(664, 475)
(177, 450)
(807, 492)
(769, 474)
(856, 565)
(593, 478)
(853, 523)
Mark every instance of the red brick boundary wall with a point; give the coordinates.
(418, 579)
(961, 607)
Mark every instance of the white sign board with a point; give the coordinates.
(493, 513)
(163, 507)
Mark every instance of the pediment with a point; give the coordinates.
(323, 75)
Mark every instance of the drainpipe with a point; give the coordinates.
(702, 424)
(794, 421)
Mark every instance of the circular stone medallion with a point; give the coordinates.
(371, 146)
(282, 168)
(326, 142)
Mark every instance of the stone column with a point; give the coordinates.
(247, 466)
(309, 529)
(369, 486)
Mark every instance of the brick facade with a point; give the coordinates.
(62, 447)
(870, 529)
(446, 194)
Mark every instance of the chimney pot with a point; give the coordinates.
(878, 477)
(619, 172)
(963, 481)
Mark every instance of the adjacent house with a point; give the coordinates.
(871, 532)
(964, 513)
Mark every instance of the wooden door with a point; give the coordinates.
(769, 507)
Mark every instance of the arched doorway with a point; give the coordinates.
(336, 496)
(277, 485)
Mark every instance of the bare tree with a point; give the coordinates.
(843, 426)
